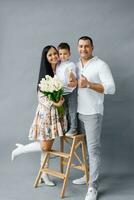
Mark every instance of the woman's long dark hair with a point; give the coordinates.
(45, 66)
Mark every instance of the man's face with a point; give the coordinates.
(85, 49)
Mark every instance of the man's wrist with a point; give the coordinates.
(89, 84)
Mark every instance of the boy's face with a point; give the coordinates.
(64, 54)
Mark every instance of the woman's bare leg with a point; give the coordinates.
(46, 145)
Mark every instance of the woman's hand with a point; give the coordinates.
(59, 103)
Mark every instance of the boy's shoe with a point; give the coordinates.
(80, 181)
(71, 132)
(91, 194)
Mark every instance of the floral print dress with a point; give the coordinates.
(47, 124)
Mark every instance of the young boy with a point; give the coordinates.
(66, 72)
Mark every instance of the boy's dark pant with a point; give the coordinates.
(70, 105)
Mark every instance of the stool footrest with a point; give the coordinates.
(53, 173)
(60, 154)
(78, 136)
(79, 167)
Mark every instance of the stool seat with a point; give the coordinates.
(66, 159)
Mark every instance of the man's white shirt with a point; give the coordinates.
(96, 71)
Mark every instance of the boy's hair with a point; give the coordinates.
(64, 45)
(86, 38)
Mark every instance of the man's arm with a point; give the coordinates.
(83, 82)
(95, 86)
(107, 85)
(107, 79)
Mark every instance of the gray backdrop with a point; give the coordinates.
(25, 28)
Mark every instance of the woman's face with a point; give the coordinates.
(52, 56)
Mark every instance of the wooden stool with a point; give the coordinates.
(66, 160)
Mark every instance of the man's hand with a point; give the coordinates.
(82, 82)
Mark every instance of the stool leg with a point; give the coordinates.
(61, 158)
(84, 159)
(68, 168)
(40, 171)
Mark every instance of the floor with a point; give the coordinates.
(17, 179)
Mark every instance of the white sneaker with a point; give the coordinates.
(91, 194)
(80, 181)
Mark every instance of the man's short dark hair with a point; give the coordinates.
(86, 38)
(64, 45)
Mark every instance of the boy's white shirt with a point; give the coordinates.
(62, 72)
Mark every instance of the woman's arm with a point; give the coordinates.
(44, 100)
(48, 103)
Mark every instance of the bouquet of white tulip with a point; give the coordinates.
(53, 89)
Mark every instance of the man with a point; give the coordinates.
(94, 80)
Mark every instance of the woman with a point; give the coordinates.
(46, 125)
